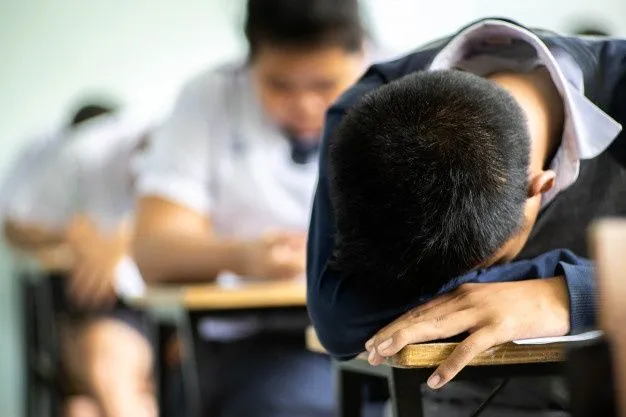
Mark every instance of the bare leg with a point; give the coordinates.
(117, 368)
(81, 406)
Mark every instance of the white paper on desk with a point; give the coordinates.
(233, 281)
(128, 281)
(230, 280)
(593, 334)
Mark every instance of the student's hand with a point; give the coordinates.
(492, 314)
(96, 256)
(276, 255)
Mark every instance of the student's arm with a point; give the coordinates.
(96, 257)
(344, 317)
(174, 242)
(494, 312)
(31, 237)
(174, 238)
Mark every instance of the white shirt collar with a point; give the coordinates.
(587, 130)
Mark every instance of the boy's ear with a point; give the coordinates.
(541, 182)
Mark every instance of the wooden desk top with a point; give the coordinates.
(214, 297)
(430, 355)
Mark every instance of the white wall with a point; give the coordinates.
(141, 50)
(411, 22)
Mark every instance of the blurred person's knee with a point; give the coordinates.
(81, 406)
(114, 352)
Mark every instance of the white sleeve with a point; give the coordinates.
(48, 200)
(15, 177)
(24, 169)
(176, 165)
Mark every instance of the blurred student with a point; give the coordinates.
(591, 29)
(227, 187)
(82, 205)
(41, 149)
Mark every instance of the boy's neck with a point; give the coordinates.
(543, 106)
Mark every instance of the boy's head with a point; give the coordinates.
(303, 54)
(429, 179)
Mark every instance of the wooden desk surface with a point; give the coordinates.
(215, 297)
(430, 355)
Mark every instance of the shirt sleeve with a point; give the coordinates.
(582, 288)
(579, 274)
(344, 318)
(16, 175)
(176, 165)
(49, 200)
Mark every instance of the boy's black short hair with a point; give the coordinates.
(303, 24)
(89, 111)
(428, 178)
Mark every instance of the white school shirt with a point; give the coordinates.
(220, 155)
(91, 175)
(33, 156)
(494, 45)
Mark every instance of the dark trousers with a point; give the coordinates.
(268, 375)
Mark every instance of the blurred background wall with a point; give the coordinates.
(51, 52)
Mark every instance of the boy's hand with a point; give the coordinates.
(274, 256)
(492, 314)
(96, 256)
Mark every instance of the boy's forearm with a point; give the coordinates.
(30, 237)
(185, 258)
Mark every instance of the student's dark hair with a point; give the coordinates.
(592, 31)
(428, 178)
(301, 24)
(89, 111)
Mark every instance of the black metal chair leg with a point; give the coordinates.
(29, 328)
(191, 378)
(349, 386)
(159, 366)
(405, 391)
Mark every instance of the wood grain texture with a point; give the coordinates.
(430, 355)
(252, 295)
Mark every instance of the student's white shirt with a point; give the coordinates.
(91, 175)
(220, 155)
(33, 156)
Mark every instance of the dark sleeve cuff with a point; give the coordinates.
(581, 285)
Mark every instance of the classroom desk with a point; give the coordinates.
(186, 306)
(409, 369)
(213, 297)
